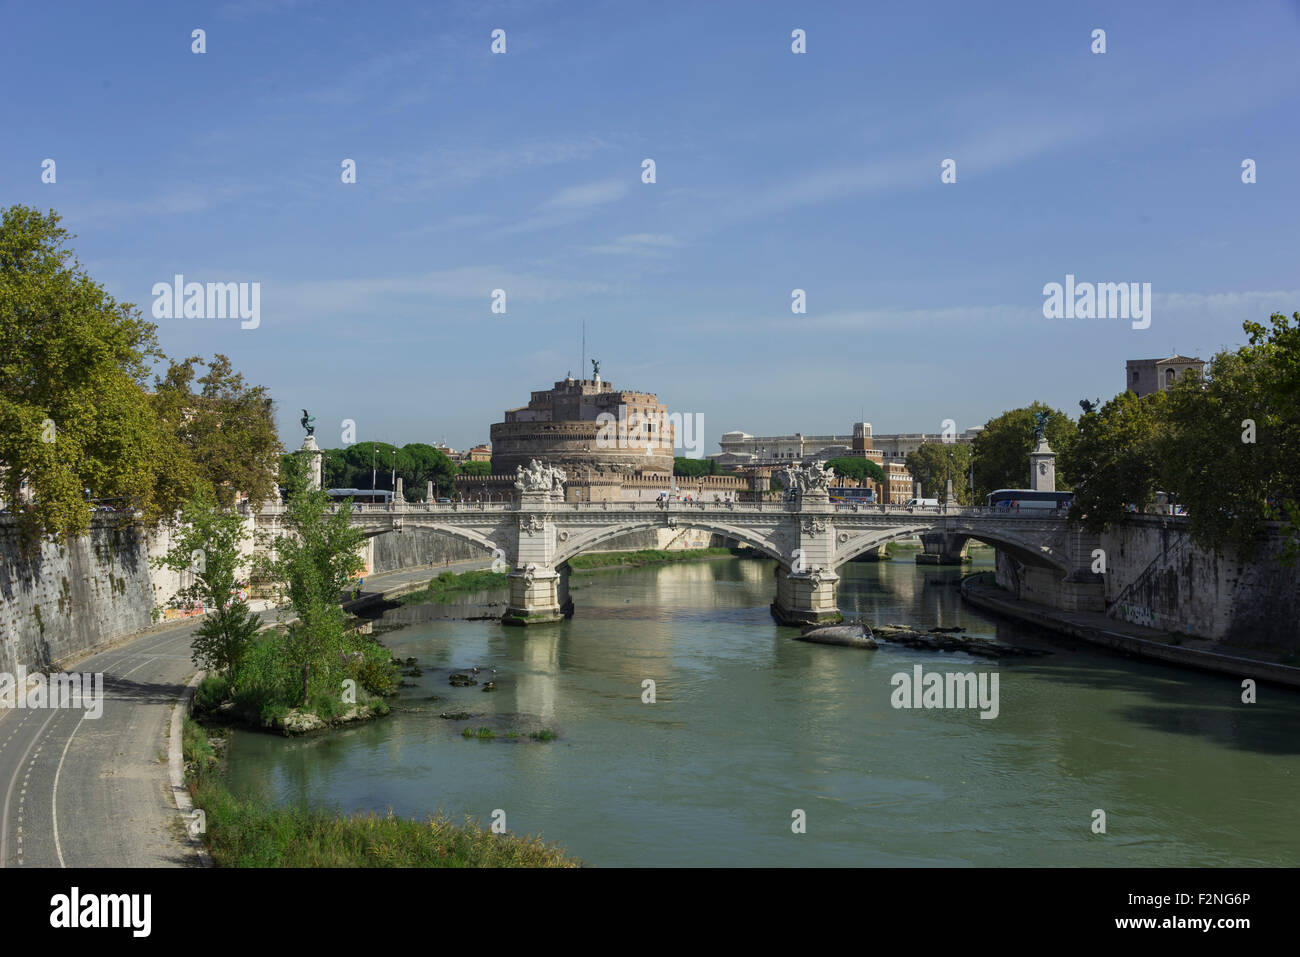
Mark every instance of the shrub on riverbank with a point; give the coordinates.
(244, 832)
(267, 688)
(645, 556)
(449, 583)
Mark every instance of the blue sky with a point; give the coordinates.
(775, 171)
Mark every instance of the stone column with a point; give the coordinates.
(428, 492)
(1042, 468)
(399, 494)
(314, 470)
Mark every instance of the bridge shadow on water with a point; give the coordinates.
(1190, 703)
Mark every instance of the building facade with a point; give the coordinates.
(1144, 376)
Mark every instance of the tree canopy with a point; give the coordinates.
(74, 412)
(860, 470)
(1001, 450)
(1224, 444)
(932, 463)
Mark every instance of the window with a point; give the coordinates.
(1169, 378)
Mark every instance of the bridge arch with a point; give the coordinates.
(579, 543)
(1031, 551)
(455, 531)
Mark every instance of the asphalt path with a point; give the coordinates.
(77, 791)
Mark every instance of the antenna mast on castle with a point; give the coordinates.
(582, 369)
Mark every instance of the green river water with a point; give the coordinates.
(751, 725)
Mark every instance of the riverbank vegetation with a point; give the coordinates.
(1224, 444)
(647, 556)
(80, 418)
(247, 832)
(314, 671)
(449, 584)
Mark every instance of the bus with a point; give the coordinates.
(1023, 499)
(853, 496)
(362, 496)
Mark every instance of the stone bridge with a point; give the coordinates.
(810, 537)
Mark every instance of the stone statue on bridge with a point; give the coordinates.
(811, 478)
(539, 478)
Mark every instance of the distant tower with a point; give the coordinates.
(862, 437)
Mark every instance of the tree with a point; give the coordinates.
(475, 468)
(74, 414)
(694, 468)
(228, 427)
(932, 463)
(208, 546)
(419, 464)
(1116, 457)
(1001, 450)
(860, 470)
(314, 562)
(1233, 442)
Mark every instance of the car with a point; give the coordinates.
(444, 501)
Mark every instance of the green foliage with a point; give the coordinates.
(694, 468)
(449, 583)
(860, 470)
(211, 692)
(475, 468)
(248, 831)
(313, 562)
(227, 427)
(645, 556)
(1224, 445)
(1231, 485)
(1002, 450)
(933, 462)
(417, 464)
(207, 544)
(74, 413)
(1116, 458)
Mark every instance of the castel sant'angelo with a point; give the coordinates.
(613, 444)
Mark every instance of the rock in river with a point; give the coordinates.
(852, 636)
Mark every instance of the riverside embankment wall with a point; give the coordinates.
(62, 599)
(1158, 577)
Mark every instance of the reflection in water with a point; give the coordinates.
(750, 724)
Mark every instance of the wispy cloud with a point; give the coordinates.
(371, 297)
(637, 244)
(570, 205)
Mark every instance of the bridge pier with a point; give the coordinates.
(805, 591)
(943, 548)
(538, 595)
(805, 599)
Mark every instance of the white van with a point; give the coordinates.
(922, 502)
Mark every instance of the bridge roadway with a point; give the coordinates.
(810, 537)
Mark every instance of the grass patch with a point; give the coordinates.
(482, 734)
(244, 832)
(448, 584)
(546, 734)
(644, 556)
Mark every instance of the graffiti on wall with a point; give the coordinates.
(1137, 614)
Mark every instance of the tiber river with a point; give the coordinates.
(750, 725)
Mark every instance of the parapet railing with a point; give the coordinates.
(864, 509)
